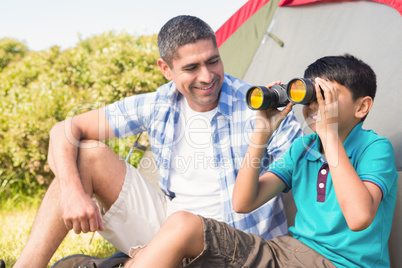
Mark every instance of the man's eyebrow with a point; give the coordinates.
(214, 57)
(189, 65)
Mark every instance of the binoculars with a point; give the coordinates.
(297, 91)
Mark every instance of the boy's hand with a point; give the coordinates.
(269, 120)
(327, 116)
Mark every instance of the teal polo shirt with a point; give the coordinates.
(319, 221)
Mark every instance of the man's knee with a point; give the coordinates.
(185, 223)
(96, 156)
(92, 150)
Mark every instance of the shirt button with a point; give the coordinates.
(321, 185)
(323, 171)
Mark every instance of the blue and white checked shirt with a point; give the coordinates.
(232, 126)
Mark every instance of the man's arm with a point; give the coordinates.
(252, 191)
(78, 210)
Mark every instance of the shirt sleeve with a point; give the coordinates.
(131, 115)
(284, 136)
(377, 165)
(283, 168)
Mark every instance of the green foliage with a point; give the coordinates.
(10, 50)
(39, 89)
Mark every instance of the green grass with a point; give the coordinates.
(15, 224)
(20, 198)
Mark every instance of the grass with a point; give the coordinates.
(15, 224)
(19, 202)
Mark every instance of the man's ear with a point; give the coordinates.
(364, 106)
(165, 69)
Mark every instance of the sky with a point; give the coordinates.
(45, 23)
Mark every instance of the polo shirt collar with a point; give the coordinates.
(312, 151)
(353, 140)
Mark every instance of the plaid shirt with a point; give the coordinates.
(232, 127)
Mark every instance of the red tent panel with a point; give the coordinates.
(237, 19)
(397, 4)
(252, 6)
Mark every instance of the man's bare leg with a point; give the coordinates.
(102, 173)
(181, 236)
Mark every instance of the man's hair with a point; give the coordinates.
(347, 71)
(179, 31)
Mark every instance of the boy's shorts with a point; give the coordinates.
(225, 246)
(138, 213)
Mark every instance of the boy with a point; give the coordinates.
(344, 183)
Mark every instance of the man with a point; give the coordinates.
(198, 126)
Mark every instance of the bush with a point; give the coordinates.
(10, 50)
(38, 89)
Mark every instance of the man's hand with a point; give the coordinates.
(269, 120)
(80, 213)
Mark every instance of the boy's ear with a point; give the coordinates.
(165, 69)
(364, 106)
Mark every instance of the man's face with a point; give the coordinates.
(198, 74)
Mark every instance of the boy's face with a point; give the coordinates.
(341, 110)
(198, 74)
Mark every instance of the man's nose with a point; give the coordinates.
(205, 75)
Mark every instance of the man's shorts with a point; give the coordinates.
(138, 213)
(225, 246)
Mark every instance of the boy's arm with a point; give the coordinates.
(250, 190)
(357, 199)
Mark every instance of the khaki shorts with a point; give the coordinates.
(225, 246)
(138, 213)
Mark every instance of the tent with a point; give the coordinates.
(269, 40)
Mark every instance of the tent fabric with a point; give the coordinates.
(241, 34)
(241, 16)
(367, 29)
(331, 28)
(252, 6)
(242, 39)
(397, 4)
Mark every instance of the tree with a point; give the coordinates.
(38, 89)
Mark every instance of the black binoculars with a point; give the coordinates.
(297, 91)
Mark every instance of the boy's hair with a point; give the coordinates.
(347, 71)
(179, 31)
